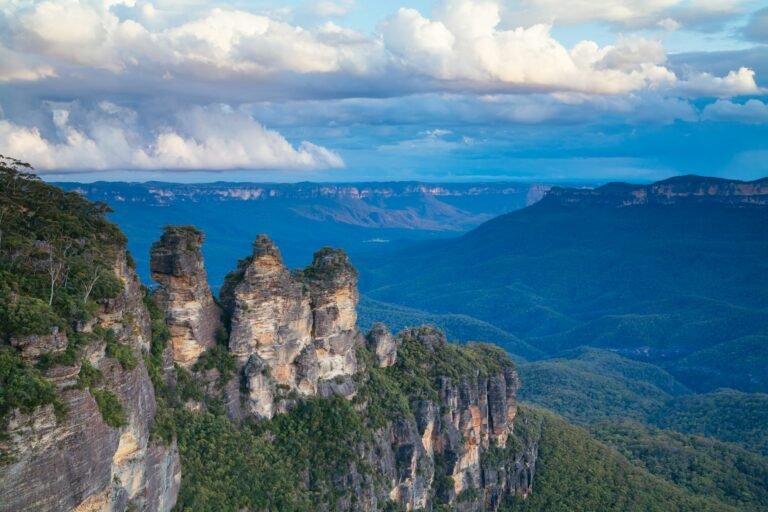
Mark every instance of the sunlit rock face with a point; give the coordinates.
(293, 333)
(78, 462)
(192, 315)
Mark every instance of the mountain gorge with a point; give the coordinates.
(361, 217)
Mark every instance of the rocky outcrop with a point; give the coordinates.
(458, 448)
(292, 333)
(192, 315)
(381, 342)
(77, 461)
(34, 346)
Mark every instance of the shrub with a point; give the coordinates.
(110, 408)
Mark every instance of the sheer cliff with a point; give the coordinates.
(77, 406)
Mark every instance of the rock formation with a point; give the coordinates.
(381, 342)
(448, 447)
(78, 462)
(292, 333)
(192, 315)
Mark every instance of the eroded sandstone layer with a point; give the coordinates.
(192, 315)
(293, 333)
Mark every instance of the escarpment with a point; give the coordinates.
(192, 315)
(293, 333)
(93, 450)
(77, 405)
(456, 444)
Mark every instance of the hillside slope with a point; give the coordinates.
(654, 272)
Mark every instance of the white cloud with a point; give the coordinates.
(326, 9)
(668, 24)
(16, 67)
(463, 45)
(468, 48)
(735, 83)
(436, 133)
(752, 111)
(214, 138)
(584, 11)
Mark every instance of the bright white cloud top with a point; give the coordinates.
(87, 75)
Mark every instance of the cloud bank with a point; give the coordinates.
(214, 138)
(143, 84)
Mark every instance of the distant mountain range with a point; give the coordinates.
(361, 217)
(674, 273)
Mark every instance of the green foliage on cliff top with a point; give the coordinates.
(419, 368)
(57, 251)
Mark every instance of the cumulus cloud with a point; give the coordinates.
(15, 67)
(464, 44)
(474, 62)
(735, 83)
(752, 111)
(214, 138)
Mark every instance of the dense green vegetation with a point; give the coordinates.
(702, 466)
(57, 250)
(258, 466)
(588, 385)
(726, 415)
(594, 385)
(740, 364)
(110, 407)
(576, 473)
(21, 386)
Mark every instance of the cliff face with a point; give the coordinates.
(292, 334)
(79, 462)
(459, 447)
(678, 190)
(192, 315)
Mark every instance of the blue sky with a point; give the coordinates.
(345, 90)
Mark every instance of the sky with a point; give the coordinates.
(358, 90)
